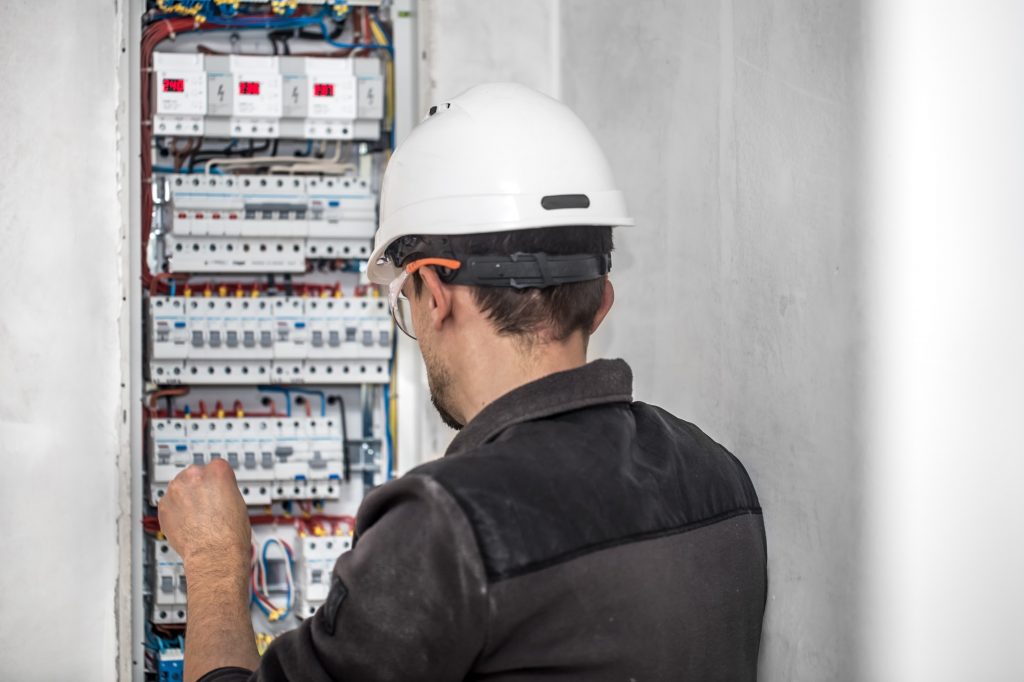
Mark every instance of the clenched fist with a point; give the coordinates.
(204, 518)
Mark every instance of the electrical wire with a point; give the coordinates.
(263, 592)
(288, 165)
(167, 392)
(301, 400)
(318, 394)
(345, 460)
(279, 389)
(387, 432)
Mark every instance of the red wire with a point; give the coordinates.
(154, 34)
(152, 523)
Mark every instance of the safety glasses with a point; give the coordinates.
(401, 309)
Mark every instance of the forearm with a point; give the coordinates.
(220, 630)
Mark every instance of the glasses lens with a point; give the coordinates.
(401, 311)
(403, 316)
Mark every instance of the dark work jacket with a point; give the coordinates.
(569, 533)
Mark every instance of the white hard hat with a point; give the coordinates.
(498, 157)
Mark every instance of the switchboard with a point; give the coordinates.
(264, 129)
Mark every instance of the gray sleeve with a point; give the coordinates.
(408, 602)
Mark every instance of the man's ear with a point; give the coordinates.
(439, 297)
(607, 299)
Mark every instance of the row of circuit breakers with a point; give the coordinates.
(314, 561)
(235, 96)
(274, 458)
(263, 223)
(255, 340)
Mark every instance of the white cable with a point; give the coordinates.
(277, 160)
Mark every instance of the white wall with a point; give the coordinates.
(472, 41)
(60, 340)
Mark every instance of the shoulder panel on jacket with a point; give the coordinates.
(546, 491)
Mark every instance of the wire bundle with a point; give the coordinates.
(258, 580)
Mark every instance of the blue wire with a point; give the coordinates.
(319, 394)
(278, 389)
(351, 46)
(291, 568)
(387, 430)
(387, 398)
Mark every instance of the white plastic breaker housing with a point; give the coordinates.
(274, 458)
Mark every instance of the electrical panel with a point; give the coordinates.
(265, 129)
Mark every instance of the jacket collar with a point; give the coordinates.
(596, 383)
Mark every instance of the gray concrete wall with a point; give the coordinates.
(733, 129)
(60, 340)
(463, 43)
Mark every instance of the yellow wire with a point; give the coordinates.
(378, 34)
(389, 114)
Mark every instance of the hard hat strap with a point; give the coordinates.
(529, 270)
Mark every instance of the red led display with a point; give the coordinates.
(248, 87)
(174, 85)
(323, 89)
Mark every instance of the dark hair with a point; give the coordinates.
(558, 310)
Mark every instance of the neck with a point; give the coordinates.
(499, 365)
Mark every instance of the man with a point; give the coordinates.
(569, 533)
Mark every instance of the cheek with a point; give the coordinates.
(420, 317)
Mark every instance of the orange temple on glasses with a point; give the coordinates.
(443, 262)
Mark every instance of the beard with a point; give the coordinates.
(449, 420)
(439, 381)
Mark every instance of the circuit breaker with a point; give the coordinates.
(265, 129)
(316, 556)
